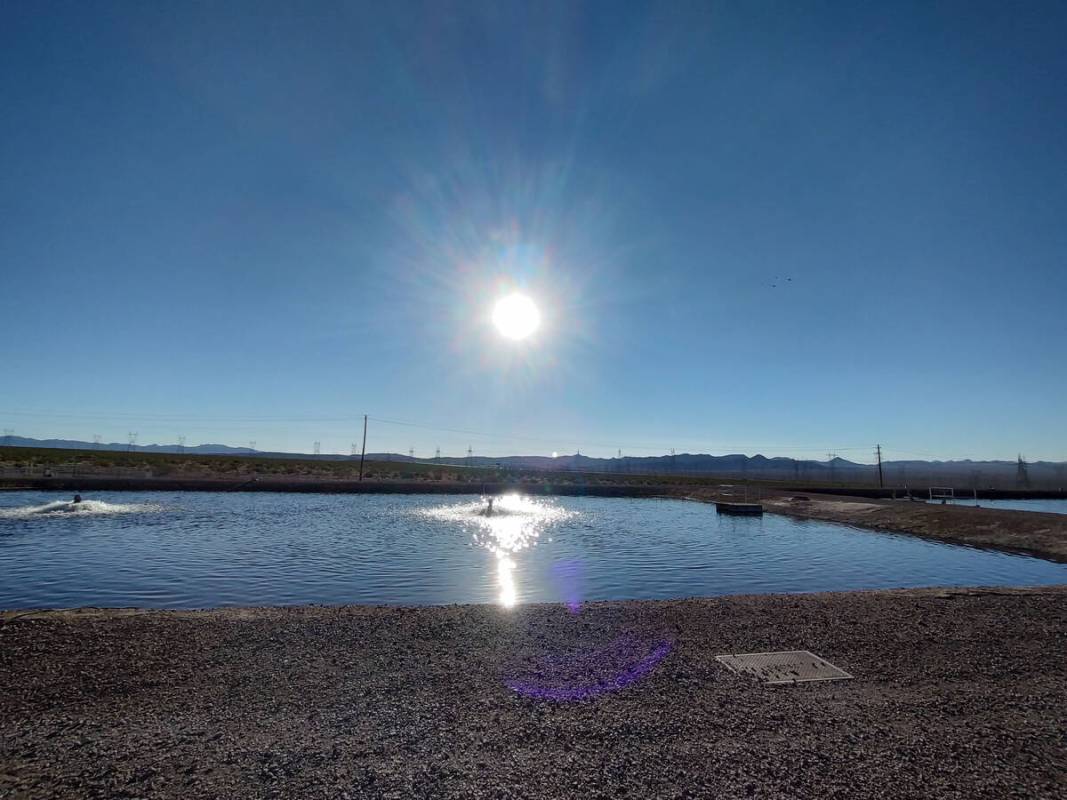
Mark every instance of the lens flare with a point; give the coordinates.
(588, 675)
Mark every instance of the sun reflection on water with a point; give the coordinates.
(514, 524)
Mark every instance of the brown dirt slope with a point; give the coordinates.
(957, 694)
(1030, 532)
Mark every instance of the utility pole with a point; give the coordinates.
(437, 454)
(470, 452)
(363, 452)
(411, 453)
(878, 453)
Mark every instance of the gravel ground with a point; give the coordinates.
(957, 694)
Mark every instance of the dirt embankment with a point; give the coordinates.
(1033, 533)
(957, 694)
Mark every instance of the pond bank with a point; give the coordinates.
(1027, 532)
(957, 693)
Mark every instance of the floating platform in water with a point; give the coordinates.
(741, 509)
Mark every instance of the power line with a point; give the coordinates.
(557, 439)
(172, 417)
(701, 444)
(700, 441)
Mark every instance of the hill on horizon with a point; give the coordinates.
(733, 465)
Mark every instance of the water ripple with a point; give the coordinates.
(194, 550)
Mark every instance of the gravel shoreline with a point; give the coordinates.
(957, 694)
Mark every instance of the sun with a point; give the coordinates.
(516, 316)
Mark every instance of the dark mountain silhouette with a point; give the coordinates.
(73, 444)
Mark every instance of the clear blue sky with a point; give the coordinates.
(775, 227)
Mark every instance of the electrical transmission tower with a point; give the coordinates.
(437, 454)
(131, 439)
(96, 438)
(411, 453)
(181, 443)
(1022, 475)
(317, 448)
(470, 452)
(252, 445)
(353, 451)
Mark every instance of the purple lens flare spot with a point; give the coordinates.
(567, 575)
(628, 676)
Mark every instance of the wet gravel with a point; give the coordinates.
(957, 694)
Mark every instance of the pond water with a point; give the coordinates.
(195, 550)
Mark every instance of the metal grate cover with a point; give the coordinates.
(789, 666)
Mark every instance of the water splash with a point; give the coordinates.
(515, 524)
(67, 508)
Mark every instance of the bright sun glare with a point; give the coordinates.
(516, 316)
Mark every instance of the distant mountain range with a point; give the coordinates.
(957, 473)
(73, 444)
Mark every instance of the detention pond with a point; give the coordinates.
(196, 550)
